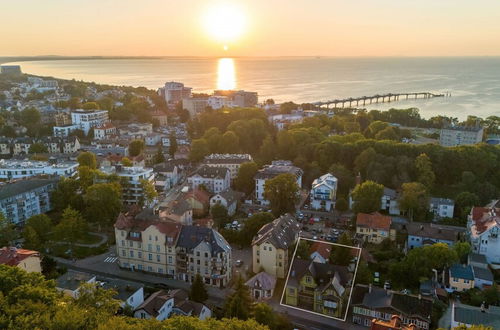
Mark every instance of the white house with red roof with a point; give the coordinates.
(27, 260)
(483, 227)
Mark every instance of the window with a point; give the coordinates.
(123, 243)
(197, 262)
(308, 279)
(150, 256)
(150, 269)
(139, 254)
(265, 248)
(158, 257)
(206, 254)
(131, 254)
(157, 248)
(160, 270)
(197, 253)
(123, 253)
(270, 248)
(169, 259)
(156, 238)
(150, 247)
(281, 264)
(281, 256)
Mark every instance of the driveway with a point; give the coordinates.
(244, 255)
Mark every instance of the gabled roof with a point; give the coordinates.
(322, 248)
(430, 230)
(483, 219)
(262, 281)
(324, 274)
(374, 220)
(12, 256)
(191, 236)
(155, 302)
(482, 273)
(474, 315)
(281, 232)
(462, 271)
(210, 172)
(230, 195)
(22, 186)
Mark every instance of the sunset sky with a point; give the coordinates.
(271, 27)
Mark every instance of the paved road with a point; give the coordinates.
(104, 239)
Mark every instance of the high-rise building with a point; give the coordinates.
(174, 92)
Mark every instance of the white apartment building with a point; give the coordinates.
(460, 135)
(218, 102)
(324, 192)
(215, 179)
(174, 92)
(87, 119)
(63, 131)
(442, 207)
(104, 131)
(195, 105)
(17, 169)
(276, 168)
(483, 227)
(132, 185)
(230, 161)
(25, 198)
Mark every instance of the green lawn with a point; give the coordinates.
(89, 239)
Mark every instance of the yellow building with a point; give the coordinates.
(270, 246)
(27, 260)
(374, 227)
(318, 287)
(461, 277)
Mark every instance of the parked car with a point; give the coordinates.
(238, 263)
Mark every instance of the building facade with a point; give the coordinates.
(374, 227)
(27, 260)
(132, 181)
(215, 179)
(460, 135)
(483, 227)
(230, 161)
(420, 234)
(324, 193)
(18, 169)
(88, 119)
(270, 171)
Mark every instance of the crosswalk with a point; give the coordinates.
(111, 259)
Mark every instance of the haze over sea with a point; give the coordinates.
(474, 82)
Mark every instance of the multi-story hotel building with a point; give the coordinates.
(148, 242)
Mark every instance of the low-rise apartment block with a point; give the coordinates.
(132, 178)
(230, 161)
(215, 179)
(18, 169)
(460, 135)
(276, 168)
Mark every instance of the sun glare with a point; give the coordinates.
(225, 22)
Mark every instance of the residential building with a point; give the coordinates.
(70, 282)
(179, 210)
(318, 287)
(167, 175)
(27, 260)
(64, 130)
(146, 242)
(370, 303)
(195, 105)
(320, 252)
(460, 135)
(203, 251)
(23, 199)
(374, 227)
(461, 277)
(468, 316)
(324, 193)
(10, 69)
(104, 131)
(70, 145)
(151, 242)
(241, 98)
(127, 293)
(483, 227)
(262, 286)
(219, 102)
(229, 161)
(88, 119)
(199, 200)
(185, 307)
(157, 306)
(62, 119)
(281, 121)
(132, 185)
(421, 234)
(5, 145)
(390, 201)
(442, 207)
(483, 277)
(271, 244)
(276, 168)
(17, 169)
(175, 92)
(161, 117)
(227, 198)
(396, 323)
(21, 145)
(215, 179)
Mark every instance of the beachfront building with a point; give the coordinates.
(174, 92)
(483, 227)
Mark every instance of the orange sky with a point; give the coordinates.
(274, 28)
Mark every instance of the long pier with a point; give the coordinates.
(379, 98)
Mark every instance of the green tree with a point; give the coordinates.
(253, 225)
(414, 200)
(31, 119)
(199, 149)
(7, 231)
(90, 106)
(239, 304)
(42, 225)
(148, 192)
(103, 203)
(86, 177)
(303, 250)
(67, 194)
(364, 160)
(462, 249)
(282, 192)
(159, 157)
(71, 228)
(37, 148)
(425, 174)
(245, 180)
(87, 159)
(135, 148)
(230, 143)
(172, 149)
(367, 197)
(465, 201)
(265, 315)
(341, 204)
(126, 162)
(219, 215)
(31, 239)
(344, 176)
(341, 255)
(198, 291)
(387, 133)
(363, 274)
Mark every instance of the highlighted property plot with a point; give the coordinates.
(321, 278)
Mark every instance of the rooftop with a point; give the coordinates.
(434, 231)
(462, 271)
(21, 186)
(281, 232)
(476, 315)
(374, 220)
(72, 280)
(206, 171)
(12, 256)
(262, 281)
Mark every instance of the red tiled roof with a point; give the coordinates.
(484, 218)
(12, 256)
(200, 195)
(127, 221)
(374, 220)
(323, 249)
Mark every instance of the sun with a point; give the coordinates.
(225, 22)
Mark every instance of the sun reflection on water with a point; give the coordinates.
(226, 74)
